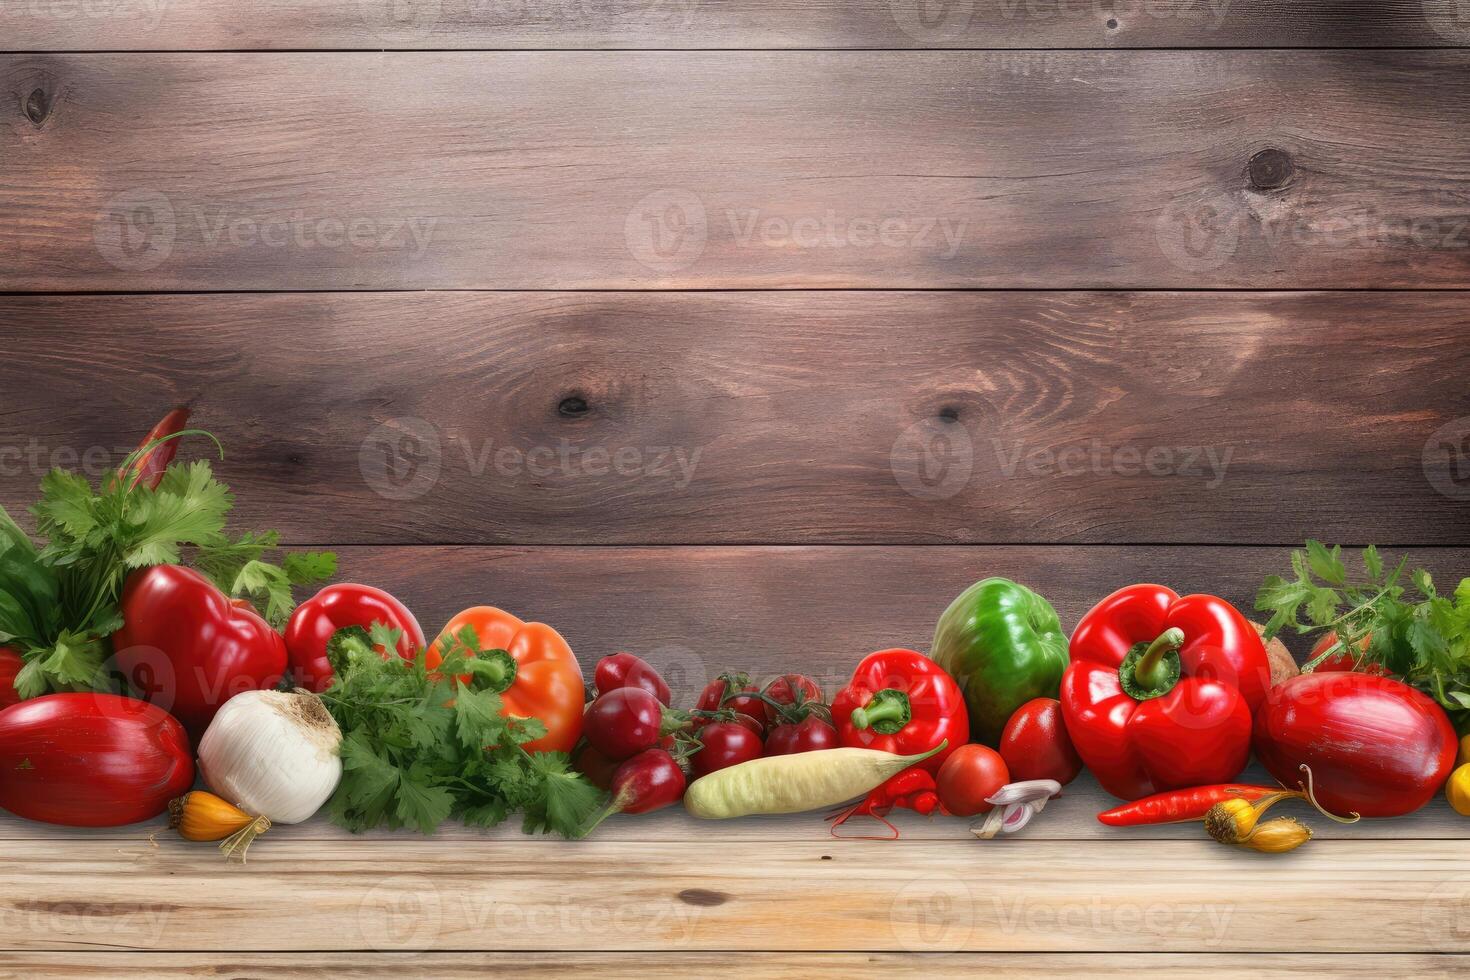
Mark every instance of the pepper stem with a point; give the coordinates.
(886, 713)
(1149, 670)
(345, 645)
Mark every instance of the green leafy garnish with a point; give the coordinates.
(59, 602)
(421, 747)
(1409, 629)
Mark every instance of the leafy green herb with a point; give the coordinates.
(59, 603)
(1409, 629)
(421, 747)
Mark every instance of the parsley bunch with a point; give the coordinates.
(420, 747)
(1422, 637)
(59, 602)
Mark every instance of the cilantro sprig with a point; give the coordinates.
(421, 746)
(59, 601)
(1408, 628)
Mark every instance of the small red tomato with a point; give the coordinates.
(624, 722)
(725, 744)
(626, 670)
(1035, 744)
(790, 689)
(721, 693)
(1342, 660)
(739, 718)
(968, 776)
(807, 735)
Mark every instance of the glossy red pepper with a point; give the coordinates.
(1160, 690)
(10, 665)
(1376, 746)
(187, 647)
(147, 466)
(333, 624)
(91, 760)
(902, 702)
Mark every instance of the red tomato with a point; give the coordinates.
(714, 697)
(624, 722)
(786, 689)
(10, 665)
(807, 735)
(625, 670)
(725, 744)
(754, 724)
(1341, 660)
(1035, 744)
(968, 776)
(91, 760)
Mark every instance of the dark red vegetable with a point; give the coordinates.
(91, 760)
(1178, 805)
(807, 735)
(725, 692)
(333, 624)
(913, 789)
(628, 720)
(789, 689)
(1375, 746)
(725, 744)
(649, 781)
(188, 648)
(1035, 744)
(10, 665)
(626, 670)
(597, 767)
(147, 468)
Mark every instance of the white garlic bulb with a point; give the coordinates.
(273, 754)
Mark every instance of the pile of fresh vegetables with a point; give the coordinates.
(145, 649)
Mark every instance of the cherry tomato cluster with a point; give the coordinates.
(644, 751)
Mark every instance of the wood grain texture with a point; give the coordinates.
(754, 417)
(734, 169)
(48, 25)
(917, 896)
(755, 965)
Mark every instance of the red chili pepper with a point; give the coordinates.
(902, 702)
(327, 628)
(1179, 805)
(913, 789)
(148, 467)
(1161, 689)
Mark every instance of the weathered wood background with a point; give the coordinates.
(746, 335)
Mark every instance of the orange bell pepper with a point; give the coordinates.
(548, 683)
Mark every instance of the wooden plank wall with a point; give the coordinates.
(745, 334)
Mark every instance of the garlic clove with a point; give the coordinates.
(1025, 792)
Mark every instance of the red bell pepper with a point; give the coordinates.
(91, 760)
(333, 624)
(902, 702)
(188, 648)
(1160, 691)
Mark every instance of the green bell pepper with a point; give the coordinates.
(1003, 645)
